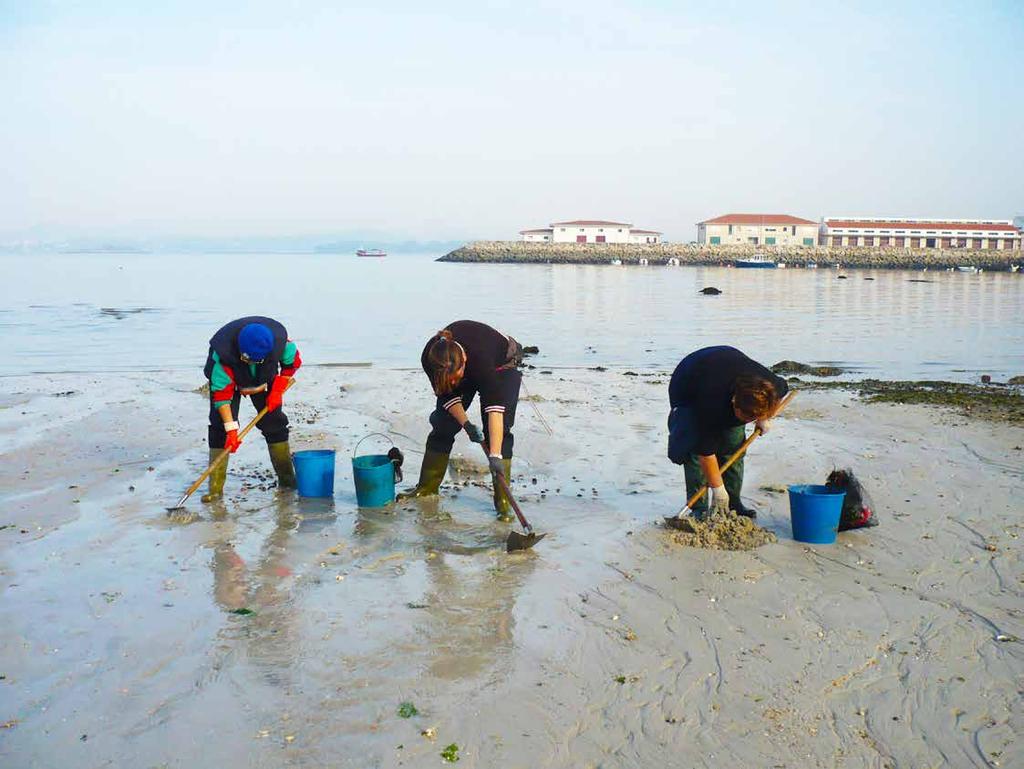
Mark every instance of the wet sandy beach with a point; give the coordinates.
(607, 645)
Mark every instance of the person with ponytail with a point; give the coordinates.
(462, 360)
(713, 394)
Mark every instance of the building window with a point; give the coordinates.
(600, 229)
(752, 241)
(794, 229)
(769, 241)
(581, 238)
(599, 238)
(620, 229)
(808, 241)
(730, 229)
(716, 240)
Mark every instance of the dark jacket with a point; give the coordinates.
(704, 382)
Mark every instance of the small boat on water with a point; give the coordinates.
(966, 268)
(617, 262)
(1014, 268)
(756, 262)
(811, 265)
(371, 252)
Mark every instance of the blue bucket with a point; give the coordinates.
(814, 512)
(374, 476)
(314, 472)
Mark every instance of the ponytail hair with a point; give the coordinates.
(755, 397)
(445, 357)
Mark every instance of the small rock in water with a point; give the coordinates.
(711, 291)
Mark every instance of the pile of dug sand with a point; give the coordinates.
(722, 531)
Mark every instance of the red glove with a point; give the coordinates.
(276, 394)
(232, 442)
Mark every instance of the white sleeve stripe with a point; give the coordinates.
(499, 409)
(451, 403)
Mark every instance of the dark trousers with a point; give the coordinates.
(445, 428)
(274, 425)
(730, 441)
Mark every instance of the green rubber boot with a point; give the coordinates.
(281, 459)
(435, 465)
(217, 478)
(501, 504)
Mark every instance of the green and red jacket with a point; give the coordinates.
(226, 370)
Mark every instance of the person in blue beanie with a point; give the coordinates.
(251, 357)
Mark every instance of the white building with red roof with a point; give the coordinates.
(590, 231)
(905, 232)
(757, 230)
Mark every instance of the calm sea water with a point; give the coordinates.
(80, 312)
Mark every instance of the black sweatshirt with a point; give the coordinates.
(486, 352)
(704, 381)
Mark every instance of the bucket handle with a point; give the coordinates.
(382, 435)
(394, 455)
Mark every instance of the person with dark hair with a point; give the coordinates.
(713, 394)
(254, 357)
(461, 360)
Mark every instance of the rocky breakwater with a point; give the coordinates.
(501, 251)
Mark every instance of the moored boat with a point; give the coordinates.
(756, 262)
(371, 252)
(966, 268)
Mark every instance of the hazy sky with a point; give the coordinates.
(452, 120)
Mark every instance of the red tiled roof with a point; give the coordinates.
(646, 232)
(758, 219)
(860, 224)
(591, 223)
(540, 229)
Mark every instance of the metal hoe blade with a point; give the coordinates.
(517, 541)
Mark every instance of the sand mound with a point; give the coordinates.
(722, 531)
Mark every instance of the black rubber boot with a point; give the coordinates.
(435, 465)
(742, 509)
(281, 459)
(216, 478)
(501, 504)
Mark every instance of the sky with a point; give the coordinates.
(474, 120)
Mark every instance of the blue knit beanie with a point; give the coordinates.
(256, 341)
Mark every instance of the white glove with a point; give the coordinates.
(764, 425)
(719, 500)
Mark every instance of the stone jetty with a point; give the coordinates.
(500, 251)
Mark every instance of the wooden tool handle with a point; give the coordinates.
(508, 493)
(740, 451)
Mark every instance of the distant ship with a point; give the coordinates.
(371, 252)
(756, 262)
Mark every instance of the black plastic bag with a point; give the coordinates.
(858, 512)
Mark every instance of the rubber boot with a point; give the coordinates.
(281, 459)
(435, 465)
(501, 504)
(217, 477)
